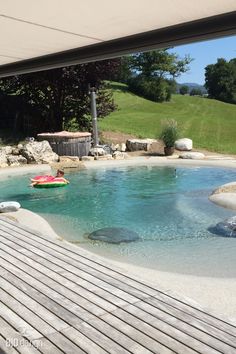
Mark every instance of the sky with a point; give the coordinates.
(205, 53)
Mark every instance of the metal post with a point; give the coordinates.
(94, 116)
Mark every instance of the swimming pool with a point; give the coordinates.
(167, 206)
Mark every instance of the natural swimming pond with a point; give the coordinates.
(168, 207)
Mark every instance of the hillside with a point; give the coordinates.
(209, 123)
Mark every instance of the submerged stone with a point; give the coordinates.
(226, 228)
(114, 235)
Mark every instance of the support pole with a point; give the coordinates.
(94, 116)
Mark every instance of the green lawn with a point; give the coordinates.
(209, 123)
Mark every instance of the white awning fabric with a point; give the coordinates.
(38, 35)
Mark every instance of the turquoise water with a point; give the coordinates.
(168, 208)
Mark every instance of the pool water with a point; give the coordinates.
(168, 207)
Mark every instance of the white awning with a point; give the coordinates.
(38, 35)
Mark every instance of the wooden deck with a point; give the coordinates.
(55, 298)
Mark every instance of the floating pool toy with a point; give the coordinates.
(48, 182)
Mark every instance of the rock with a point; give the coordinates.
(6, 207)
(97, 151)
(116, 147)
(68, 163)
(139, 144)
(114, 235)
(118, 155)
(87, 158)
(226, 228)
(16, 151)
(184, 144)
(39, 152)
(123, 147)
(102, 158)
(3, 159)
(7, 149)
(14, 160)
(192, 155)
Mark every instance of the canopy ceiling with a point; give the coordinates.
(39, 35)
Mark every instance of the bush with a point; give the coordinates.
(154, 89)
(169, 133)
(195, 92)
(183, 90)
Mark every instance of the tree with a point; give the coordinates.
(220, 80)
(195, 92)
(159, 63)
(124, 73)
(153, 73)
(183, 90)
(61, 95)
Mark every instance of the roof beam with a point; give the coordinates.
(203, 29)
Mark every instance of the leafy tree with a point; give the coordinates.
(61, 95)
(183, 90)
(159, 63)
(124, 74)
(152, 74)
(220, 80)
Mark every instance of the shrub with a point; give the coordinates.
(169, 133)
(154, 89)
(195, 92)
(183, 90)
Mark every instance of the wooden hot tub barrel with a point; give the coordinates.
(68, 144)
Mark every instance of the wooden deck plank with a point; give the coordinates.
(13, 261)
(110, 331)
(17, 322)
(13, 341)
(72, 289)
(86, 306)
(71, 272)
(170, 329)
(47, 319)
(205, 338)
(193, 312)
(205, 329)
(173, 330)
(10, 349)
(186, 338)
(84, 342)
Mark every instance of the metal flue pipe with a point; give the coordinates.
(94, 115)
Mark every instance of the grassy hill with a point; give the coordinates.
(209, 123)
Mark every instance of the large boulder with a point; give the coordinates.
(139, 144)
(114, 235)
(39, 152)
(3, 158)
(118, 155)
(16, 160)
(7, 149)
(184, 144)
(192, 155)
(226, 228)
(97, 151)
